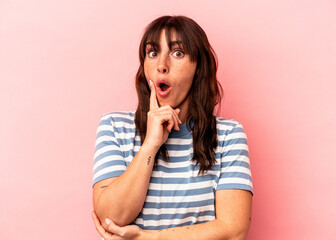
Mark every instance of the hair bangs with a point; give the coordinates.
(175, 32)
(205, 92)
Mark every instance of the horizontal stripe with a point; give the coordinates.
(178, 180)
(106, 149)
(181, 186)
(178, 204)
(156, 211)
(104, 176)
(111, 170)
(156, 226)
(110, 152)
(180, 198)
(177, 194)
(106, 159)
(178, 221)
(108, 164)
(157, 217)
(234, 181)
(235, 163)
(247, 187)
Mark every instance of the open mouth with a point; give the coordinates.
(164, 87)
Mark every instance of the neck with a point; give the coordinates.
(184, 110)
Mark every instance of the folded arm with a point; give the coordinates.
(121, 198)
(233, 217)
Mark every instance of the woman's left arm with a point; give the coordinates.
(233, 217)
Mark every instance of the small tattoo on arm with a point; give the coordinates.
(104, 186)
(148, 160)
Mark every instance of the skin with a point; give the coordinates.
(115, 206)
(121, 198)
(174, 66)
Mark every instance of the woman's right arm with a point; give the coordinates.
(121, 198)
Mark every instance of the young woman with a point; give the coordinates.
(172, 169)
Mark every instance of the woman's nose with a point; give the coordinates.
(162, 66)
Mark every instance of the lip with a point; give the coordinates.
(159, 91)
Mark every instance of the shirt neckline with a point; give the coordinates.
(184, 130)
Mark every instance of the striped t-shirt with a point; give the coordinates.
(177, 194)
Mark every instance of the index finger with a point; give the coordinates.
(153, 104)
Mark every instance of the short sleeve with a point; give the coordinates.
(108, 157)
(235, 170)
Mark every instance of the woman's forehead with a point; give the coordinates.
(170, 35)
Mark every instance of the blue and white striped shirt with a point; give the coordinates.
(177, 195)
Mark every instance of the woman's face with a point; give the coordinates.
(171, 71)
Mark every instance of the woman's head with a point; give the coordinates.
(175, 54)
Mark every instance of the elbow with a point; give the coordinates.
(118, 215)
(235, 235)
(120, 219)
(238, 234)
(234, 231)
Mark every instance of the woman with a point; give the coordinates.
(172, 164)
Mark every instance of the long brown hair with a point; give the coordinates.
(205, 92)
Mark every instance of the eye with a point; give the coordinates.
(152, 53)
(178, 54)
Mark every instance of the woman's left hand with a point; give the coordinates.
(114, 232)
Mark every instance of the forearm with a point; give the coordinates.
(123, 199)
(215, 229)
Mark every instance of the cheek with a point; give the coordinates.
(147, 69)
(188, 72)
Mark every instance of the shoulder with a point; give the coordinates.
(228, 130)
(227, 125)
(118, 117)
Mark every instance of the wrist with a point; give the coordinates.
(149, 148)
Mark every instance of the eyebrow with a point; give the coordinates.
(171, 44)
(175, 42)
(150, 43)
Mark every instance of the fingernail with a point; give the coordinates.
(150, 83)
(108, 221)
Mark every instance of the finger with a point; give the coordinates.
(100, 229)
(170, 126)
(153, 104)
(113, 228)
(177, 119)
(174, 114)
(177, 112)
(168, 121)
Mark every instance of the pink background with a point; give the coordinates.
(65, 63)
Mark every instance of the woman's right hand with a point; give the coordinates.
(160, 121)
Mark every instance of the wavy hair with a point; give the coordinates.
(205, 92)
